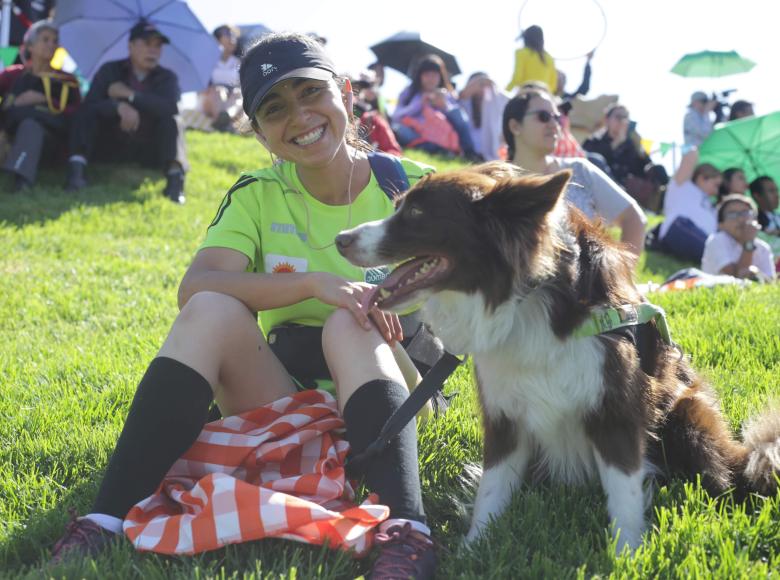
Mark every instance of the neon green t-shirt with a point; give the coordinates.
(286, 229)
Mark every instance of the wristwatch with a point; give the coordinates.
(131, 98)
(749, 246)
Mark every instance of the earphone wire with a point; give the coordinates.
(292, 189)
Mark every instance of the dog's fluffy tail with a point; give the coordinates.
(761, 437)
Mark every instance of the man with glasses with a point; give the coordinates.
(734, 249)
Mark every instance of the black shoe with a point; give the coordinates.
(75, 180)
(20, 183)
(174, 187)
(403, 553)
(82, 539)
(223, 123)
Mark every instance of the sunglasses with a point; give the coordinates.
(544, 116)
(733, 215)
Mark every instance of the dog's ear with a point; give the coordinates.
(529, 196)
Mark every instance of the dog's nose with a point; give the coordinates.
(344, 240)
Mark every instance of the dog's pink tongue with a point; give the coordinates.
(369, 299)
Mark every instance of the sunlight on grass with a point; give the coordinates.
(88, 285)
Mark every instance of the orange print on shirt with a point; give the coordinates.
(283, 267)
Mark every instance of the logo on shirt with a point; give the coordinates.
(279, 264)
(267, 69)
(279, 228)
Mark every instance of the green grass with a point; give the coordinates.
(88, 285)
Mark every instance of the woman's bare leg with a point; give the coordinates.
(217, 336)
(356, 356)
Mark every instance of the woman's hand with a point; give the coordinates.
(342, 293)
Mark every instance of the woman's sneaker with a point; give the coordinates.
(403, 553)
(82, 538)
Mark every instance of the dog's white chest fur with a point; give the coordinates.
(543, 385)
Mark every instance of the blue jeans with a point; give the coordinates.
(459, 120)
(684, 240)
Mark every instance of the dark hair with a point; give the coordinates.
(224, 29)
(738, 108)
(757, 185)
(733, 198)
(516, 109)
(725, 186)
(533, 37)
(427, 63)
(612, 107)
(704, 170)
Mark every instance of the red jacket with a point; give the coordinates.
(16, 79)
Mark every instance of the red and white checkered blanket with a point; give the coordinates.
(275, 472)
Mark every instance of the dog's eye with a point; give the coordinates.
(415, 212)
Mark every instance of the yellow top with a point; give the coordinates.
(529, 67)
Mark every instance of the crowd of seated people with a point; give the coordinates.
(129, 113)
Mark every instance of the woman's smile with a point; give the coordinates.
(310, 137)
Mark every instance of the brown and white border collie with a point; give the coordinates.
(507, 271)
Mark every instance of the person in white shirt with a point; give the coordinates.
(221, 101)
(689, 214)
(734, 249)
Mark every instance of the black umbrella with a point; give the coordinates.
(403, 50)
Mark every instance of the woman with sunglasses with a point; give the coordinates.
(270, 250)
(531, 127)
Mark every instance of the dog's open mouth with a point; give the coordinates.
(406, 279)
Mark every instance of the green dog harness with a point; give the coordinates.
(603, 320)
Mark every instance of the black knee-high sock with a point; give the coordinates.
(167, 414)
(394, 474)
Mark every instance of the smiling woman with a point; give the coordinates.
(270, 250)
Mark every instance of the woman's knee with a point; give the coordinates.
(338, 328)
(214, 310)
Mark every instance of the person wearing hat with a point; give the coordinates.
(271, 250)
(129, 115)
(734, 249)
(36, 104)
(697, 124)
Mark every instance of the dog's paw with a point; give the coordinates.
(627, 540)
(471, 538)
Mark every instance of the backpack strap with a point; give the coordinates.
(389, 172)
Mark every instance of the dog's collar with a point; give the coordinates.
(603, 320)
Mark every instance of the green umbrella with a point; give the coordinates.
(710, 63)
(752, 144)
(8, 55)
